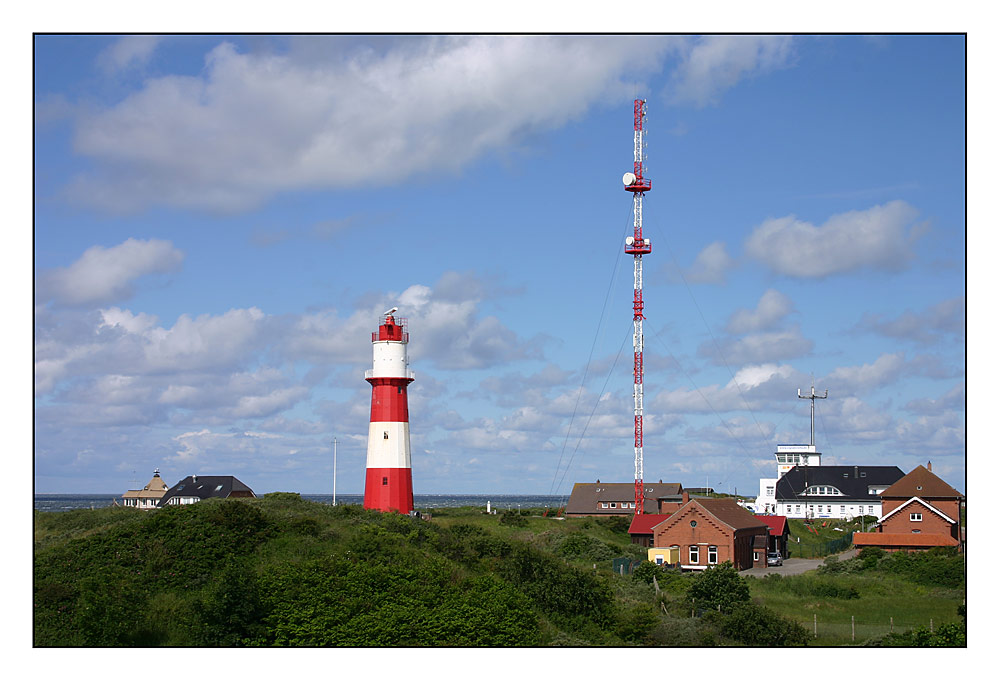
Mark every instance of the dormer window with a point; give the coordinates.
(824, 490)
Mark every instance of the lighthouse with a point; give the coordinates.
(388, 483)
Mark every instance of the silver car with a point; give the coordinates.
(773, 558)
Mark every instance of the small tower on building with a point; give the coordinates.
(388, 482)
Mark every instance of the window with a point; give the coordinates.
(385, 481)
(843, 509)
(385, 434)
(713, 555)
(916, 517)
(613, 505)
(604, 504)
(694, 523)
(659, 560)
(769, 491)
(756, 556)
(915, 531)
(693, 555)
(788, 508)
(218, 488)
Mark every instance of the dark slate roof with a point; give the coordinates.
(853, 481)
(920, 482)
(205, 487)
(586, 497)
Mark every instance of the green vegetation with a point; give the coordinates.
(283, 571)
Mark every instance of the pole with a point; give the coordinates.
(812, 397)
(334, 471)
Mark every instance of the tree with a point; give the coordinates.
(719, 588)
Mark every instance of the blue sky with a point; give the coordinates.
(219, 220)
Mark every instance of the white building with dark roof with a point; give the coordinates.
(195, 488)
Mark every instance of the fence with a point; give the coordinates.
(859, 630)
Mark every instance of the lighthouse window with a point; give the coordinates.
(385, 434)
(385, 481)
(399, 390)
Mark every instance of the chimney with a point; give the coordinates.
(929, 467)
(684, 497)
(194, 478)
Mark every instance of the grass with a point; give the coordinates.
(882, 601)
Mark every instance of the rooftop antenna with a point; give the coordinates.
(812, 397)
(637, 246)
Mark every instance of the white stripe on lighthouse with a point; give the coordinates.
(388, 444)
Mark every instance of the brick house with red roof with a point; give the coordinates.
(711, 531)
(919, 511)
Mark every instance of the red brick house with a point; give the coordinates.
(919, 511)
(712, 531)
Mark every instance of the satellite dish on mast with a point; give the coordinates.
(628, 178)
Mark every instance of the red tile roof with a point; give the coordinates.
(899, 539)
(777, 524)
(644, 524)
(920, 482)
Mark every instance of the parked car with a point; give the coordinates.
(773, 558)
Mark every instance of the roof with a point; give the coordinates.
(730, 513)
(587, 496)
(852, 481)
(919, 502)
(899, 539)
(205, 487)
(777, 524)
(920, 482)
(154, 489)
(644, 524)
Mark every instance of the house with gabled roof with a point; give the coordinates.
(618, 498)
(920, 511)
(149, 496)
(195, 488)
(708, 532)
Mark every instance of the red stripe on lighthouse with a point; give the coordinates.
(389, 489)
(389, 399)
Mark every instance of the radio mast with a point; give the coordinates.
(637, 246)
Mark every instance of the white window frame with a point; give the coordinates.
(693, 554)
(713, 555)
(916, 517)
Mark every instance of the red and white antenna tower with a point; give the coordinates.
(638, 246)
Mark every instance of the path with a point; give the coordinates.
(794, 566)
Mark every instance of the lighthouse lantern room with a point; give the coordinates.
(388, 482)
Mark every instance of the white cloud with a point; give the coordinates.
(883, 371)
(879, 237)
(102, 275)
(772, 307)
(767, 346)
(127, 52)
(255, 124)
(711, 265)
(717, 63)
(926, 326)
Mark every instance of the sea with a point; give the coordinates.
(72, 502)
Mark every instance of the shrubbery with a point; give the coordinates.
(943, 567)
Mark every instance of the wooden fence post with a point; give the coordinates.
(890, 624)
(815, 630)
(852, 627)
(932, 626)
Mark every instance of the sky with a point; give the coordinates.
(219, 220)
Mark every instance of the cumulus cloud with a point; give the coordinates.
(127, 52)
(946, 318)
(711, 265)
(103, 275)
(883, 371)
(766, 346)
(717, 63)
(251, 125)
(772, 307)
(879, 238)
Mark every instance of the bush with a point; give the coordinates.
(645, 571)
(580, 545)
(756, 625)
(513, 518)
(720, 587)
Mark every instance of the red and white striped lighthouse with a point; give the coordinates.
(388, 483)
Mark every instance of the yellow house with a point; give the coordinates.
(665, 555)
(147, 497)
